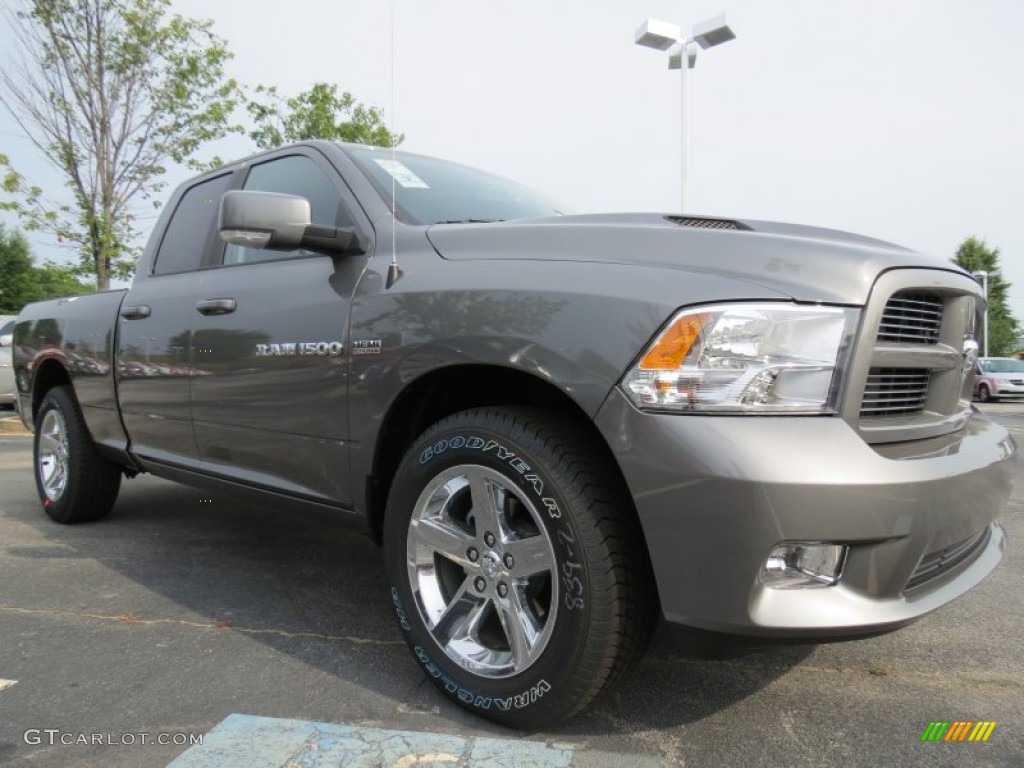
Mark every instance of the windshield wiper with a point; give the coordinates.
(467, 221)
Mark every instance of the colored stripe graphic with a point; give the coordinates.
(935, 730)
(982, 730)
(958, 730)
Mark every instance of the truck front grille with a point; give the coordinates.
(910, 375)
(912, 317)
(935, 564)
(894, 391)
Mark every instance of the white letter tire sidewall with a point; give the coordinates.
(550, 685)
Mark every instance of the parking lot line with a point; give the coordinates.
(4, 684)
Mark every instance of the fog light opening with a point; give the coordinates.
(804, 564)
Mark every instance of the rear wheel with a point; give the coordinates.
(518, 573)
(75, 483)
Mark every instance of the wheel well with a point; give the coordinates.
(51, 374)
(449, 390)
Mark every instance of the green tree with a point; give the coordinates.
(22, 282)
(109, 92)
(975, 256)
(54, 280)
(15, 271)
(319, 113)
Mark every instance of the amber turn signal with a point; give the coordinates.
(675, 343)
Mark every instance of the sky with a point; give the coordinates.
(901, 119)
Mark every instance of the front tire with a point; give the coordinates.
(518, 573)
(75, 483)
(984, 395)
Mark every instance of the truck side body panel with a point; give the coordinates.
(78, 335)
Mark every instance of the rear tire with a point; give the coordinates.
(75, 483)
(519, 576)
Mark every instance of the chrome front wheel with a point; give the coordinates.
(482, 570)
(517, 568)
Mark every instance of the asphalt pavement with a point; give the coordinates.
(186, 615)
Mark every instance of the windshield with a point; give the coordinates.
(1002, 365)
(432, 191)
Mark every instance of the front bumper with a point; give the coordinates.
(1007, 389)
(715, 494)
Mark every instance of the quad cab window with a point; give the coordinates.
(191, 227)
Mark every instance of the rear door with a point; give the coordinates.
(155, 362)
(269, 396)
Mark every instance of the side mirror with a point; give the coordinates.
(280, 223)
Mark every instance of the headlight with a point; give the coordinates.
(745, 358)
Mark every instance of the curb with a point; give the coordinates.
(12, 426)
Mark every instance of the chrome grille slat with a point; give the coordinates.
(904, 329)
(894, 394)
(924, 306)
(912, 317)
(913, 337)
(915, 315)
(893, 411)
(910, 312)
(894, 391)
(890, 403)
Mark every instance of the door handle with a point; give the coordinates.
(216, 306)
(135, 313)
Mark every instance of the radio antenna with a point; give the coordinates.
(393, 271)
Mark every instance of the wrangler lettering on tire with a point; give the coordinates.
(512, 550)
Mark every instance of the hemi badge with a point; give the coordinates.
(366, 347)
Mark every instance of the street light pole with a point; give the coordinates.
(684, 143)
(662, 35)
(984, 287)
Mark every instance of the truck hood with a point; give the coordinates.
(805, 263)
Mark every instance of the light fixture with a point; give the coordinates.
(712, 32)
(803, 564)
(664, 36)
(660, 35)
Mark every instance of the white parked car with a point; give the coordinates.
(996, 377)
(6, 367)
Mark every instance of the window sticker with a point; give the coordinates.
(400, 173)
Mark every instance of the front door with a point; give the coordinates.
(269, 388)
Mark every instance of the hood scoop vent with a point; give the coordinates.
(702, 223)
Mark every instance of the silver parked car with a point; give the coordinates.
(6, 365)
(996, 377)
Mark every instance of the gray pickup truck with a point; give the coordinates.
(560, 427)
